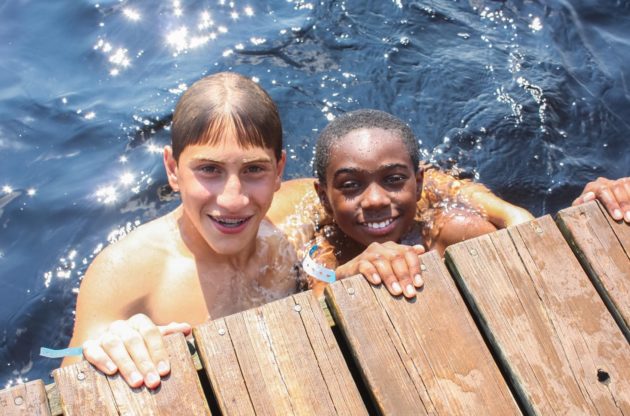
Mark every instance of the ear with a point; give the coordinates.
(170, 164)
(323, 197)
(280, 168)
(419, 182)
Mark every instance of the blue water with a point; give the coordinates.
(529, 97)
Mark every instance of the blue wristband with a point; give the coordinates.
(64, 352)
(319, 272)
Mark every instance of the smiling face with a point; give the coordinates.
(371, 186)
(226, 191)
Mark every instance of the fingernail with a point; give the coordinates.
(396, 288)
(410, 290)
(111, 367)
(617, 214)
(417, 280)
(376, 278)
(163, 368)
(588, 196)
(628, 216)
(135, 377)
(152, 378)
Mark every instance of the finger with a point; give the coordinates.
(154, 343)
(402, 272)
(176, 327)
(622, 197)
(419, 249)
(368, 270)
(115, 349)
(384, 269)
(95, 355)
(413, 263)
(610, 202)
(586, 197)
(137, 350)
(626, 186)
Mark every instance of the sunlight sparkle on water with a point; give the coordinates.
(106, 194)
(7, 189)
(31, 191)
(131, 14)
(153, 148)
(249, 11)
(177, 38)
(204, 21)
(126, 178)
(536, 24)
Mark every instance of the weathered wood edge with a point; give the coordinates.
(511, 377)
(54, 399)
(343, 325)
(590, 270)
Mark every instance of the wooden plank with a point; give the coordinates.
(24, 400)
(549, 328)
(424, 356)
(84, 390)
(280, 358)
(603, 247)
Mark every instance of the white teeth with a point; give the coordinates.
(230, 222)
(379, 225)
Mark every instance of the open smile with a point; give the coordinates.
(230, 225)
(380, 227)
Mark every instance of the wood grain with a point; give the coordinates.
(420, 357)
(24, 400)
(280, 358)
(84, 390)
(548, 326)
(603, 247)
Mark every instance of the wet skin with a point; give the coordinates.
(226, 191)
(371, 186)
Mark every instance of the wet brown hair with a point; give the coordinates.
(222, 105)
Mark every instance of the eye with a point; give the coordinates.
(253, 169)
(349, 185)
(208, 169)
(396, 179)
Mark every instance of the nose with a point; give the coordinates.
(375, 197)
(232, 198)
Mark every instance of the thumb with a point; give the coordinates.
(419, 249)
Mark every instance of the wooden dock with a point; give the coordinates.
(529, 320)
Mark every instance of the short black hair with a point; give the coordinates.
(362, 119)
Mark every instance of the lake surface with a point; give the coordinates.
(529, 97)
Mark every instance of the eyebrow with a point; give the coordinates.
(245, 161)
(388, 166)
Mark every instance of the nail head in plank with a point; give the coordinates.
(421, 356)
(603, 247)
(84, 390)
(24, 400)
(281, 357)
(547, 324)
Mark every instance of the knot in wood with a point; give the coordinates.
(602, 376)
(18, 401)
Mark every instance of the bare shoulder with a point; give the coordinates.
(455, 226)
(144, 245)
(289, 198)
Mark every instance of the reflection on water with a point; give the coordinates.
(531, 98)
